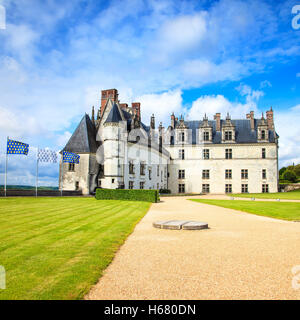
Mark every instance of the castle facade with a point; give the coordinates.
(117, 150)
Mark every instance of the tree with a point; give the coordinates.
(281, 171)
(290, 176)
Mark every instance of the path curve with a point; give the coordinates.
(241, 256)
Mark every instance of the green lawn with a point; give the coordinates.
(292, 195)
(57, 248)
(279, 210)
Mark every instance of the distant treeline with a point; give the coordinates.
(19, 187)
(290, 174)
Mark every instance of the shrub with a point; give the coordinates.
(282, 170)
(127, 194)
(162, 191)
(289, 175)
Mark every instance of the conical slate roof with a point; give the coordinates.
(84, 137)
(114, 114)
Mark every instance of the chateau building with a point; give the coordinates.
(117, 150)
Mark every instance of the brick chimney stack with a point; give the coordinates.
(217, 117)
(270, 119)
(108, 94)
(252, 120)
(136, 106)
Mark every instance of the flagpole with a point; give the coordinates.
(5, 183)
(62, 176)
(37, 173)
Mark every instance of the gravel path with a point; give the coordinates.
(241, 256)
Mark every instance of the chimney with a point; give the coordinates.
(248, 116)
(252, 120)
(108, 94)
(217, 117)
(136, 106)
(93, 115)
(152, 122)
(123, 106)
(270, 119)
(173, 120)
(160, 130)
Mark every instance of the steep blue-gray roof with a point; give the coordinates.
(114, 114)
(84, 137)
(243, 132)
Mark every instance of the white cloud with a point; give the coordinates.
(265, 84)
(161, 105)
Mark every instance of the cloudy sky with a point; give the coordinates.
(189, 57)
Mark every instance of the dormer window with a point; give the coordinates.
(263, 135)
(228, 135)
(181, 136)
(206, 136)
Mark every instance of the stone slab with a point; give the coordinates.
(180, 224)
(174, 225)
(195, 225)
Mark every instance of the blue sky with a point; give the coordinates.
(189, 57)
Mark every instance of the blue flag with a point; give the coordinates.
(16, 147)
(70, 157)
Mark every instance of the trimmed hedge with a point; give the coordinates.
(127, 194)
(164, 191)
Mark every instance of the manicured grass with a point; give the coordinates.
(57, 248)
(279, 210)
(291, 195)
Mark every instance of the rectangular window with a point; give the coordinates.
(244, 188)
(244, 173)
(263, 134)
(157, 186)
(150, 174)
(264, 173)
(181, 154)
(205, 174)
(181, 136)
(71, 166)
(228, 188)
(228, 135)
(205, 188)
(206, 154)
(265, 188)
(181, 174)
(181, 188)
(142, 184)
(77, 185)
(263, 153)
(228, 153)
(131, 167)
(158, 170)
(228, 174)
(130, 186)
(142, 169)
(206, 136)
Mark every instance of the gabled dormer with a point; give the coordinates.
(262, 130)
(205, 131)
(181, 135)
(228, 131)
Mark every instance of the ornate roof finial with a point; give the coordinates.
(228, 116)
(93, 114)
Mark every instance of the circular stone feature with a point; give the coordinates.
(180, 224)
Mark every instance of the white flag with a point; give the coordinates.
(45, 155)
